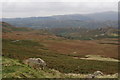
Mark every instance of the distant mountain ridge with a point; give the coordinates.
(101, 16)
(94, 20)
(104, 16)
(6, 27)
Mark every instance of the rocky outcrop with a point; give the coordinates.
(95, 74)
(36, 63)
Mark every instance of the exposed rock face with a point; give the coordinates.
(90, 76)
(95, 74)
(16, 41)
(98, 73)
(36, 63)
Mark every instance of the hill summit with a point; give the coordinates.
(6, 27)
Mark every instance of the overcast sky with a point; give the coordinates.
(12, 8)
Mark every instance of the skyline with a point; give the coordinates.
(58, 15)
(41, 9)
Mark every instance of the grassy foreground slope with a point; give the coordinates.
(64, 63)
(12, 68)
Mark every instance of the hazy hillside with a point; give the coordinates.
(67, 32)
(85, 34)
(6, 27)
(74, 20)
(104, 16)
(72, 17)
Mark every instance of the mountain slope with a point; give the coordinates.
(74, 20)
(72, 17)
(6, 27)
(104, 16)
(12, 68)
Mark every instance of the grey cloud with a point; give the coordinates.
(27, 9)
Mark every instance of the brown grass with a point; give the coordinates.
(61, 45)
(83, 47)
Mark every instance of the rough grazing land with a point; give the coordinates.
(65, 63)
(12, 68)
(59, 54)
(105, 47)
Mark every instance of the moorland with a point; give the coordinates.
(72, 45)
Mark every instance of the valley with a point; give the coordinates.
(59, 52)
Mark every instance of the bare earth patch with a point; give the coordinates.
(98, 57)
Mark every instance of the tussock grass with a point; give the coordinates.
(61, 62)
(12, 68)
